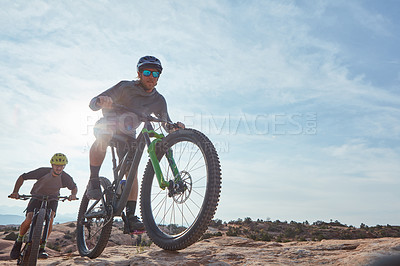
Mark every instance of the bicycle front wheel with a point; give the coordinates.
(31, 255)
(176, 218)
(94, 223)
(24, 256)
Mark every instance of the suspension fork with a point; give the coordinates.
(172, 164)
(34, 218)
(33, 223)
(46, 225)
(45, 204)
(154, 161)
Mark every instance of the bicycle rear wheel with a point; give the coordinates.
(176, 220)
(94, 223)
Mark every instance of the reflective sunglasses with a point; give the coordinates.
(147, 73)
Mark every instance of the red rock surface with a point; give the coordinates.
(233, 251)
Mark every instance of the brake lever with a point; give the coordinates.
(171, 126)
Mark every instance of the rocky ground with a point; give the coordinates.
(233, 251)
(220, 250)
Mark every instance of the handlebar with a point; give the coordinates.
(146, 118)
(26, 197)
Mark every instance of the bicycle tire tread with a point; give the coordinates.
(105, 232)
(213, 194)
(36, 236)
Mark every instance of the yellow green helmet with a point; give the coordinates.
(59, 159)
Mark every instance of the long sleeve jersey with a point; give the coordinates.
(47, 184)
(132, 95)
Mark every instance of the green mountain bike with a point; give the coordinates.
(179, 192)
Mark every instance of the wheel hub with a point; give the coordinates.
(181, 190)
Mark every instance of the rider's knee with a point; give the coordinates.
(28, 217)
(101, 143)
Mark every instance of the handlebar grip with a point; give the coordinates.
(21, 197)
(64, 198)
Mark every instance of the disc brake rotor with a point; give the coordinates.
(184, 190)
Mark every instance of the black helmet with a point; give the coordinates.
(149, 61)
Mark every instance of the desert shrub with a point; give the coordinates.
(233, 231)
(216, 223)
(68, 236)
(247, 220)
(54, 246)
(72, 225)
(141, 242)
(290, 233)
(317, 236)
(260, 236)
(210, 235)
(11, 236)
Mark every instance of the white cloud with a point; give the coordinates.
(241, 63)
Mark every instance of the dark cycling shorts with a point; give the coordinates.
(111, 125)
(36, 204)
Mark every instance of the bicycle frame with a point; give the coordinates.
(134, 153)
(46, 219)
(154, 161)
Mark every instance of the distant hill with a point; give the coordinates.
(294, 231)
(6, 219)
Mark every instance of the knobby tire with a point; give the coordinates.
(24, 256)
(200, 209)
(33, 249)
(94, 245)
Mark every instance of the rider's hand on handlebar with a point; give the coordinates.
(104, 102)
(175, 127)
(180, 125)
(14, 195)
(72, 197)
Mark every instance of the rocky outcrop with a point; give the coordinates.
(235, 251)
(219, 250)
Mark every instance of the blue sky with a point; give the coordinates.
(301, 98)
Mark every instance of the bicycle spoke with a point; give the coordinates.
(177, 216)
(191, 156)
(159, 206)
(181, 209)
(94, 225)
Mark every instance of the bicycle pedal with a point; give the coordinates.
(138, 232)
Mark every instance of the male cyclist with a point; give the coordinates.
(49, 182)
(140, 95)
